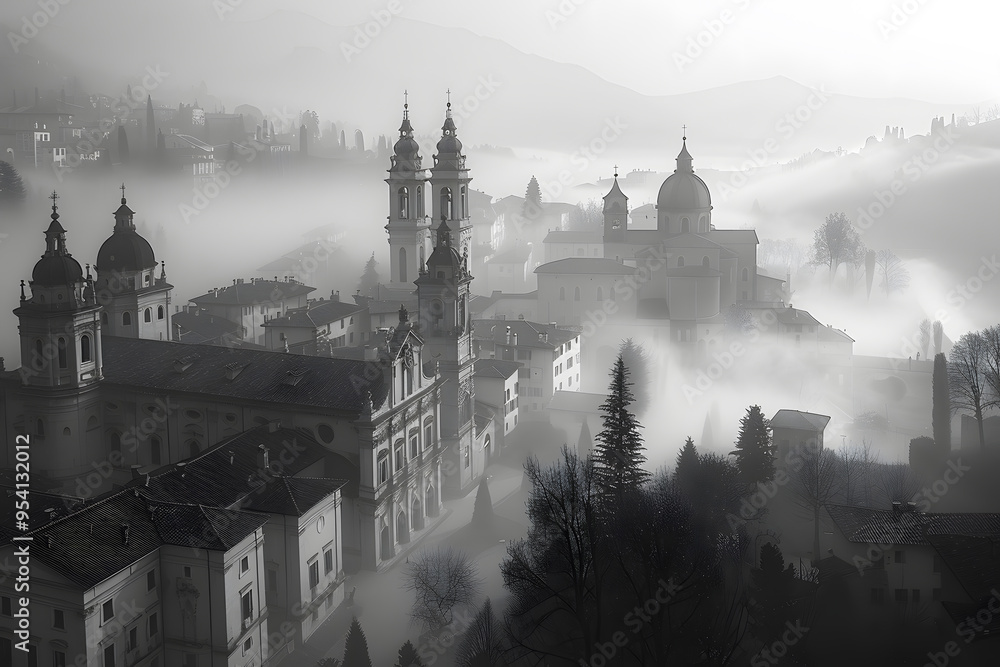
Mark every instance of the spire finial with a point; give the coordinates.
(406, 104)
(123, 193)
(449, 103)
(616, 171)
(684, 137)
(54, 197)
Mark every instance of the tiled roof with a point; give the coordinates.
(877, 526)
(89, 546)
(591, 265)
(496, 368)
(254, 292)
(315, 315)
(242, 374)
(529, 334)
(974, 560)
(796, 419)
(795, 316)
(829, 334)
(292, 496)
(202, 327)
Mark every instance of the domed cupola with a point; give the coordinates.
(406, 151)
(684, 203)
(445, 263)
(125, 250)
(449, 146)
(56, 268)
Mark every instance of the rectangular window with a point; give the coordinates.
(58, 659)
(383, 468)
(133, 639)
(414, 445)
(107, 611)
(247, 645)
(428, 435)
(398, 456)
(272, 581)
(187, 571)
(153, 626)
(468, 456)
(314, 574)
(246, 607)
(244, 565)
(58, 619)
(878, 595)
(328, 561)
(109, 656)
(150, 580)
(900, 556)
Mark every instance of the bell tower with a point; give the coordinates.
(450, 185)
(615, 213)
(60, 333)
(446, 329)
(136, 301)
(409, 226)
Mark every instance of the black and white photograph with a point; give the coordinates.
(467, 333)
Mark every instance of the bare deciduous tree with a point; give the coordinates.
(895, 275)
(483, 643)
(815, 483)
(967, 373)
(896, 483)
(441, 579)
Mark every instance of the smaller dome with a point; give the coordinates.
(125, 249)
(406, 148)
(445, 255)
(449, 143)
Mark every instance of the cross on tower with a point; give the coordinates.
(406, 104)
(449, 97)
(685, 128)
(53, 197)
(616, 171)
(123, 190)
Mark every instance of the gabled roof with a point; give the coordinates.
(831, 335)
(201, 328)
(590, 265)
(253, 292)
(529, 334)
(165, 367)
(795, 316)
(497, 368)
(907, 526)
(796, 419)
(316, 314)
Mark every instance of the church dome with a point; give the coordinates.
(449, 143)
(56, 267)
(406, 148)
(125, 249)
(683, 190)
(444, 255)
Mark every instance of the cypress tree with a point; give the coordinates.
(408, 656)
(941, 407)
(618, 447)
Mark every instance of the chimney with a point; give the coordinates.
(265, 456)
(335, 295)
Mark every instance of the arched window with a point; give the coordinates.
(67, 432)
(746, 274)
(84, 348)
(114, 441)
(159, 312)
(420, 201)
(145, 279)
(147, 315)
(461, 314)
(579, 252)
(465, 202)
(600, 293)
(705, 262)
(404, 202)
(39, 350)
(126, 319)
(576, 294)
(402, 265)
(61, 343)
(685, 225)
(194, 448)
(680, 262)
(154, 450)
(446, 203)
(562, 293)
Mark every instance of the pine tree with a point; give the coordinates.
(585, 443)
(637, 362)
(618, 447)
(369, 279)
(356, 647)
(686, 468)
(408, 656)
(11, 186)
(532, 200)
(482, 512)
(755, 448)
(941, 407)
